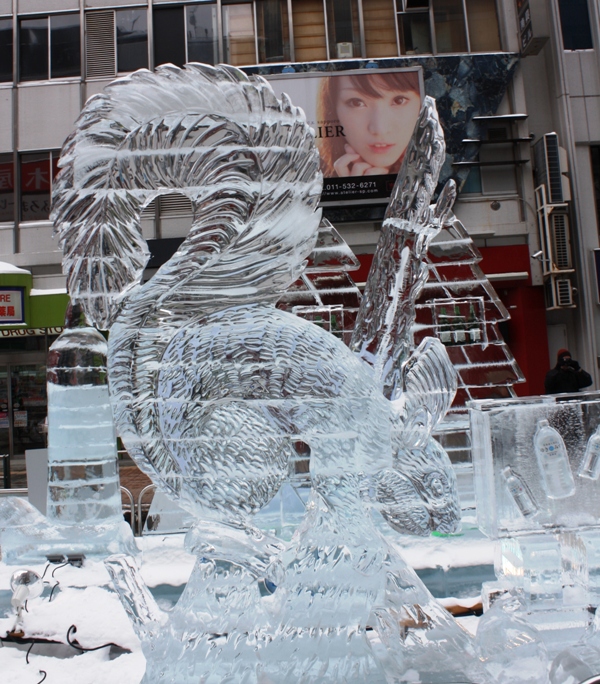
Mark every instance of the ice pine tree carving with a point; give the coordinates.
(215, 389)
(460, 306)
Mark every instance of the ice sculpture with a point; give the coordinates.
(590, 466)
(84, 515)
(581, 661)
(83, 481)
(215, 389)
(510, 648)
(553, 462)
(525, 453)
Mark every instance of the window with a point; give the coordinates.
(201, 28)
(342, 29)
(496, 173)
(186, 34)
(310, 44)
(49, 47)
(575, 24)
(380, 33)
(447, 26)
(595, 154)
(169, 36)
(6, 49)
(449, 23)
(37, 171)
(115, 41)
(239, 34)
(132, 39)
(273, 31)
(484, 34)
(7, 188)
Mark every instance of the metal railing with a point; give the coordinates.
(135, 511)
(140, 518)
(21, 491)
(129, 495)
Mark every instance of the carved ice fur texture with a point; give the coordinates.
(215, 390)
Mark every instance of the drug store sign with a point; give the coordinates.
(12, 309)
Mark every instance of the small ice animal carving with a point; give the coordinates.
(553, 462)
(212, 385)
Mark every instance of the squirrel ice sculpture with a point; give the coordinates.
(213, 386)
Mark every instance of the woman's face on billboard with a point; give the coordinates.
(377, 129)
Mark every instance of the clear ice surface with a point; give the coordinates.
(510, 648)
(544, 441)
(216, 392)
(553, 462)
(525, 455)
(581, 661)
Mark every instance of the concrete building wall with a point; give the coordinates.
(558, 90)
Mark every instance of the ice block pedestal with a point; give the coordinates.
(534, 465)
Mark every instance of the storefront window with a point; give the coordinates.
(29, 406)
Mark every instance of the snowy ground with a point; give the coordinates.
(83, 598)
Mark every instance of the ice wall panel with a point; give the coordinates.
(504, 436)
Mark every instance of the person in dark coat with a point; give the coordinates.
(566, 376)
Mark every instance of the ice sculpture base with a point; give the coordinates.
(26, 536)
(557, 622)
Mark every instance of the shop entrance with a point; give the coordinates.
(23, 411)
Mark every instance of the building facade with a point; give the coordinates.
(505, 74)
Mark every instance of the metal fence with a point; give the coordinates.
(132, 510)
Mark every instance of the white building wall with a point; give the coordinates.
(46, 114)
(6, 120)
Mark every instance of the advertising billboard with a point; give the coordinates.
(363, 121)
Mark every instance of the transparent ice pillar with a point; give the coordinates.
(83, 479)
(84, 495)
(84, 514)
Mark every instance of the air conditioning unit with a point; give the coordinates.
(345, 50)
(559, 293)
(550, 166)
(561, 241)
(564, 292)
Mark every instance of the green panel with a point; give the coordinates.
(47, 311)
(16, 280)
